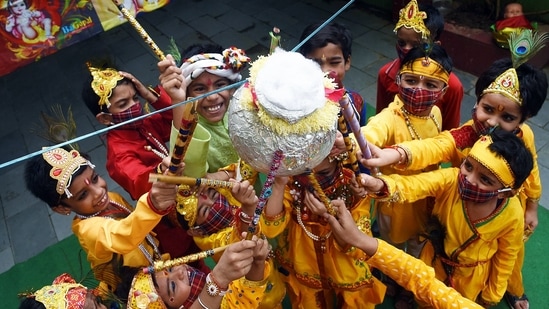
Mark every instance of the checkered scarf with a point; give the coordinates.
(197, 280)
(472, 193)
(418, 100)
(219, 217)
(133, 112)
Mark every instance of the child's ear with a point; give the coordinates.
(63, 210)
(104, 118)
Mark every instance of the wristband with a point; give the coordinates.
(212, 287)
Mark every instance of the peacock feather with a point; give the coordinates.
(57, 128)
(525, 44)
(174, 51)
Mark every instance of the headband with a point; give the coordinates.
(410, 17)
(497, 165)
(104, 81)
(228, 65)
(429, 68)
(64, 293)
(64, 164)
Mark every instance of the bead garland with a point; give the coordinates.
(309, 233)
(161, 150)
(149, 238)
(411, 128)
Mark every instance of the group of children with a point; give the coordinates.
(314, 238)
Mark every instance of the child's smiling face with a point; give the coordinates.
(89, 193)
(214, 106)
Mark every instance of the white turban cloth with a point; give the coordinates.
(228, 65)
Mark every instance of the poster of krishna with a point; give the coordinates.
(32, 29)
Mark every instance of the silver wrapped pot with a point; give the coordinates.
(257, 132)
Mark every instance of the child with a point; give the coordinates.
(505, 107)
(26, 24)
(64, 292)
(406, 270)
(410, 31)
(318, 271)
(136, 149)
(330, 47)
(217, 217)
(207, 68)
(109, 230)
(181, 286)
(478, 227)
(513, 21)
(412, 115)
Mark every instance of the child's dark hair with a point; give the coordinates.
(39, 182)
(196, 49)
(434, 21)
(334, 33)
(437, 53)
(513, 150)
(532, 85)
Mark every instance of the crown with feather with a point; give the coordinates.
(63, 293)
(143, 293)
(411, 17)
(523, 46)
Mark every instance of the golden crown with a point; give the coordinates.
(496, 164)
(143, 293)
(55, 296)
(412, 18)
(187, 203)
(506, 84)
(104, 81)
(64, 164)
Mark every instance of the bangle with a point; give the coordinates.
(202, 304)
(244, 217)
(226, 172)
(159, 168)
(532, 200)
(213, 288)
(156, 210)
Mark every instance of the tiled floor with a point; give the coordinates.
(27, 226)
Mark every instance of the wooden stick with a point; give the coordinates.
(190, 181)
(159, 265)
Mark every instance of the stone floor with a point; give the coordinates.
(27, 226)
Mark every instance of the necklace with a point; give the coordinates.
(149, 238)
(160, 150)
(311, 234)
(410, 126)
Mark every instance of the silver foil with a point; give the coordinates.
(256, 143)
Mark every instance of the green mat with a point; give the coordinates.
(64, 257)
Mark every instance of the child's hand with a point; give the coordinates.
(315, 205)
(261, 250)
(358, 190)
(171, 79)
(244, 193)
(162, 195)
(380, 157)
(235, 262)
(339, 145)
(142, 91)
(344, 228)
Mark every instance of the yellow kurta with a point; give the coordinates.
(309, 270)
(485, 250)
(389, 128)
(417, 277)
(442, 148)
(244, 293)
(103, 238)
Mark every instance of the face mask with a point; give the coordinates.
(480, 128)
(197, 280)
(401, 52)
(472, 193)
(219, 217)
(418, 100)
(131, 113)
